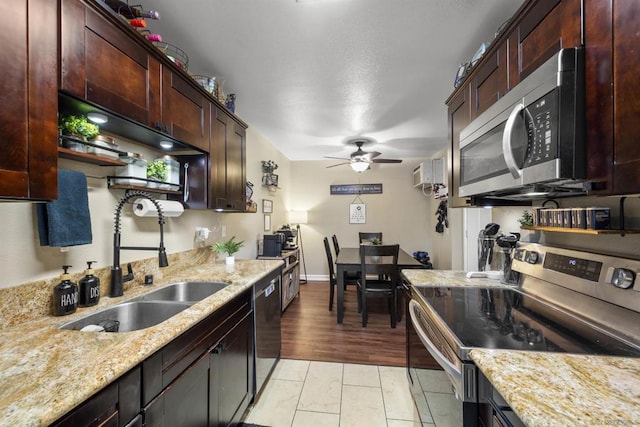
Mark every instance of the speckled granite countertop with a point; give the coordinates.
(557, 389)
(45, 372)
(447, 278)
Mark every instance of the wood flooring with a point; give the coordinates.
(310, 330)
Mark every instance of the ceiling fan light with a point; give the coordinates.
(359, 165)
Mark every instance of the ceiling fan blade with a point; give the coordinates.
(386, 161)
(339, 164)
(338, 158)
(373, 154)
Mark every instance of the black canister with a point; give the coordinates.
(65, 295)
(89, 288)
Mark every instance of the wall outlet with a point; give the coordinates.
(223, 231)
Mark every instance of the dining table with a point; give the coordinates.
(349, 260)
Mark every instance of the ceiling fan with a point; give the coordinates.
(361, 160)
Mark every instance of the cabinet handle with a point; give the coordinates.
(218, 349)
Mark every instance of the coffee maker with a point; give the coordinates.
(273, 244)
(291, 237)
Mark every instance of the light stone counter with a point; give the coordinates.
(447, 278)
(45, 372)
(558, 389)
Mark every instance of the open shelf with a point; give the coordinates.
(580, 230)
(94, 159)
(112, 181)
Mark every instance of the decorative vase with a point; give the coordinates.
(230, 260)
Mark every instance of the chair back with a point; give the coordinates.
(366, 236)
(327, 249)
(376, 266)
(336, 246)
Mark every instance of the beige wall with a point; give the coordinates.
(402, 213)
(22, 259)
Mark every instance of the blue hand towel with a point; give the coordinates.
(66, 221)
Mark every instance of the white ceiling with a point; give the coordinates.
(310, 75)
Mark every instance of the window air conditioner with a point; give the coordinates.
(422, 174)
(429, 172)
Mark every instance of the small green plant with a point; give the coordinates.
(78, 126)
(228, 247)
(157, 170)
(526, 219)
(375, 241)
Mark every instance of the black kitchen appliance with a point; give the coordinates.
(273, 244)
(566, 301)
(291, 237)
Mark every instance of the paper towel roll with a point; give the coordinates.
(145, 207)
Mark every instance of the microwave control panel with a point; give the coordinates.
(542, 129)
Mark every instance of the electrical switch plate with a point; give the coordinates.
(223, 231)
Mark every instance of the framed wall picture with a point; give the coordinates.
(267, 206)
(267, 222)
(357, 213)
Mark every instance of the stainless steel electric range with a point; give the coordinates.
(566, 301)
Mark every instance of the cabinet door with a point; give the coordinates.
(231, 375)
(28, 95)
(490, 81)
(626, 36)
(184, 402)
(227, 184)
(185, 110)
(545, 27)
(459, 117)
(102, 64)
(100, 410)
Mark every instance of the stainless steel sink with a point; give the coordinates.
(149, 309)
(131, 316)
(183, 292)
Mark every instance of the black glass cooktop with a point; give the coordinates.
(498, 318)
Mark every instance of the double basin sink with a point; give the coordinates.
(147, 310)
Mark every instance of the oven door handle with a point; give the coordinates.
(506, 142)
(449, 367)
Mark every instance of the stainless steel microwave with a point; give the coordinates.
(531, 142)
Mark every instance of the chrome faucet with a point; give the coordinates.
(116, 272)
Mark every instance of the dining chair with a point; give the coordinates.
(373, 267)
(350, 277)
(333, 281)
(368, 236)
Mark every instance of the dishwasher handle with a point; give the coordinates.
(267, 290)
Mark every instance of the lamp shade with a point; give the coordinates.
(298, 217)
(360, 165)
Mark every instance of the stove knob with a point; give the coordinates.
(532, 257)
(623, 278)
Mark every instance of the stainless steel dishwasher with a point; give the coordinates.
(267, 328)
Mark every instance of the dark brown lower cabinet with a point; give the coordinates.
(184, 402)
(204, 377)
(116, 405)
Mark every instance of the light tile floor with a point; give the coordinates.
(301, 393)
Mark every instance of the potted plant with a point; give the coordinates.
(79, 128)
(526, 219)
(528, 235)
(376, 242)
(228, 247)
(156, 170)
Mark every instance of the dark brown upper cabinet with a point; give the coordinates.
(228, 174)
(28, 121)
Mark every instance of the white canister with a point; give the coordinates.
(106, 142)
(136, 168)
(173, 170)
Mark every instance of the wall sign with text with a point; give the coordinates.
(356, 189)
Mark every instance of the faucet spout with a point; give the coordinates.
(117, 278)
